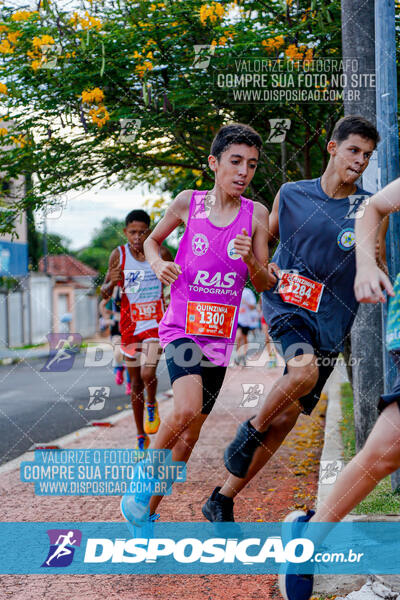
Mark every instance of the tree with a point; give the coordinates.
(76, 81)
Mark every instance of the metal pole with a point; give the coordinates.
(45, 250)
(388, 150)
(358, 35)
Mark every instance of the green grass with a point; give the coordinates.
(381, 500)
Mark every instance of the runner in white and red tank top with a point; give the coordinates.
(225, 240)
(141, 310)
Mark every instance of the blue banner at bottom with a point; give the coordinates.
(199, 548)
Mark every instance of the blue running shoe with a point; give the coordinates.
(294, 585)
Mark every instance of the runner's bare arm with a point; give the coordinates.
(166, 254)
(113, 275)
(254, 251)
(274, 223)
(167, 271)
(370, 280)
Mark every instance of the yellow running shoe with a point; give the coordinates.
(152, 422)
(142, 442)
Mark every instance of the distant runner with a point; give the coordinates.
(142, 308)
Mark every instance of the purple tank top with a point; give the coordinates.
(205, 298)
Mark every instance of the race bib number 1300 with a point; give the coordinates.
(208, 318)
(300, 290)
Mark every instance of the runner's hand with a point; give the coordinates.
(115, 274)
(166, 271)
(243, 246)
(370, 283)
(273, 275)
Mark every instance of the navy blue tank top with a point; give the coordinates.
(317, 240)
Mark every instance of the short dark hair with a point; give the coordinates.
(137, 215)
(235, 133)
(357, 125)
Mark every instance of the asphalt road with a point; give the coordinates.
(38, 406)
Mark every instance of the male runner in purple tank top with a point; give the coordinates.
(226, 239)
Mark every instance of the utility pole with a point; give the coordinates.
(388, 151)
(358, 35)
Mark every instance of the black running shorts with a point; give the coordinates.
(184, 357)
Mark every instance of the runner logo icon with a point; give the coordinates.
(132, 280)
(63, 349)
(200, 244)
(61, 551)
(231, 251)
(97, 397)
(251, 394)
(346, 239)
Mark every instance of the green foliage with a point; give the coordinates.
(139, 57)
(56, 244)
(95, 257)
(107, 237)
(347, 423)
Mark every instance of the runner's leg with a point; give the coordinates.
(299, 381)
(151, 353)
(379, 457)
(277, 432)
(180, 430)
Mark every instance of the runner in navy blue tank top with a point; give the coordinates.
(313, 306)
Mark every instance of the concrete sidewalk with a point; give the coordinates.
(289, 481)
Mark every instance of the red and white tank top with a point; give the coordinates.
(141, 299)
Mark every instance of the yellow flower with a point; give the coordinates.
(309, 54)
(99, 115)
(13, 36)
(35, 64)
(5, 47)
(222, 40)
(213, 12)
(45, 40)
(19, 141)
(3, 28)
(94, 96)
(74, 20)
(3, 131)
(219, 9)
(86, 22)
(292, 52)
(3, 89)
(90, 22)
(23, 15)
